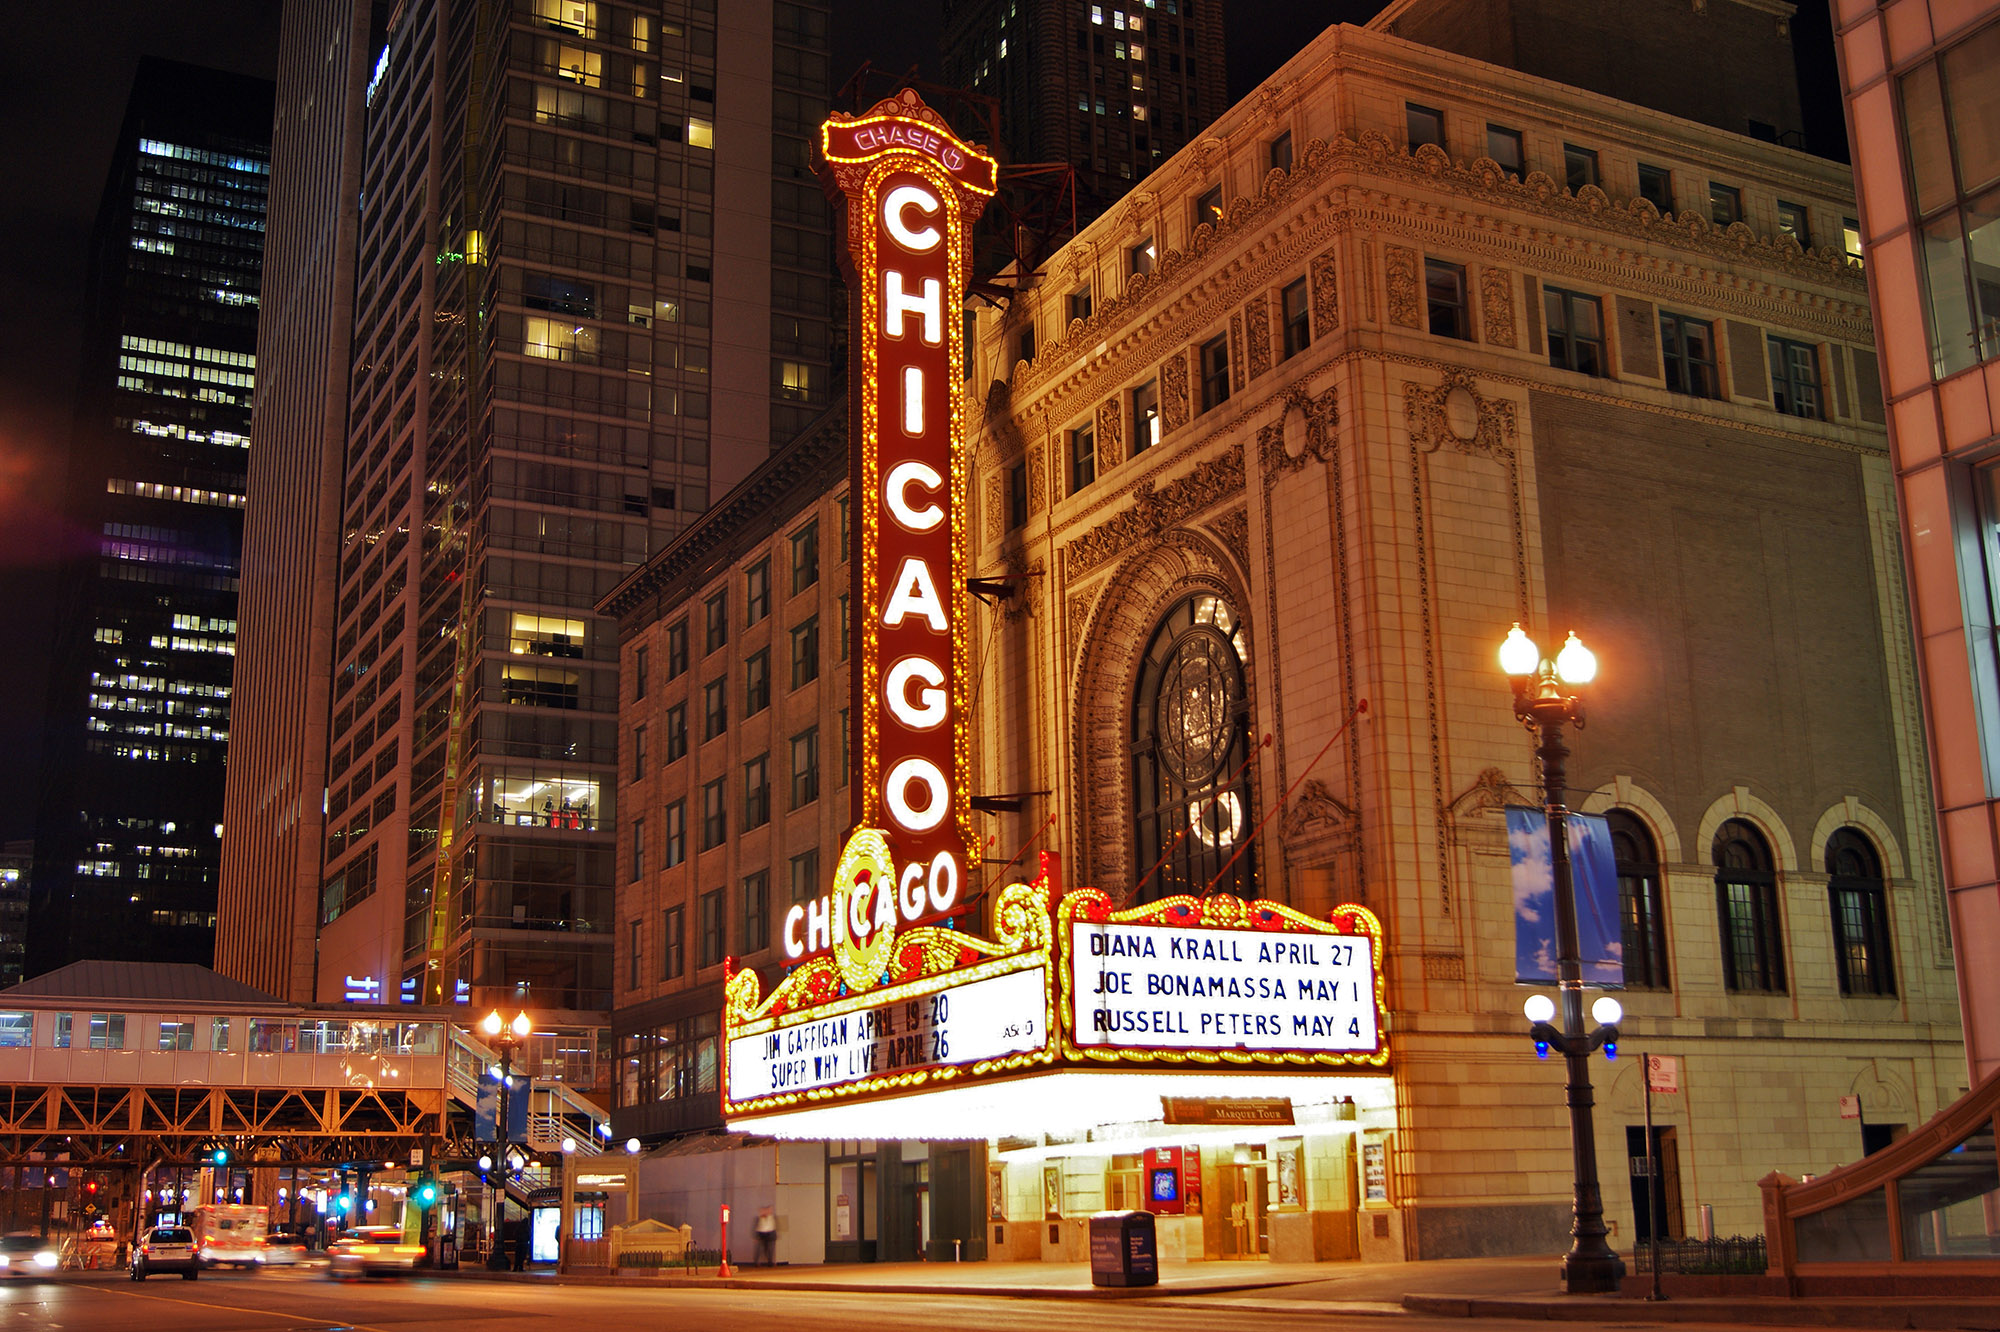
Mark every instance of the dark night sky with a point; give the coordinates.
(65, 70)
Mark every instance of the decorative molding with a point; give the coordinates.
(996, 507)
(1325, 288)
(1496, 306)
(1035, 488)
(1489, 191)
(1319, 421)
(1489, 791)
(1173, 392)
(1237, 379)
(1257, 332)
(1110, 435)
(1444, 966)
(1232, 529)
(1454, 413)
(1399, 268)
(1153, 512)
(1317, 823)
(1111, 641)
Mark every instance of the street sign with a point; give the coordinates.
(1663, 1074)
(1850, 1107)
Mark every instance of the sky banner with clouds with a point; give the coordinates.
(1600, 937)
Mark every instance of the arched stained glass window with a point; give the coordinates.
(1192, 793)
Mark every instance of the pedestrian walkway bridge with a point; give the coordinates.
(169, 1077)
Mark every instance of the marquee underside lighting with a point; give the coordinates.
(1060, 1102)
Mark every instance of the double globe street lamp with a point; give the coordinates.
(508, 1037)
(1547, 701)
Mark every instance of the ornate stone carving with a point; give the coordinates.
(1490, 791)
(997, 395)
(1174, 392)
(1155, 511)
(1496, 306)
(1317, 821)
(1444, 966)
(1480, 180)
(1078, 617)
(996, 507)
(1233, 530)
(1110, 435)
(1399, 265)
(1319, 420)
(1436, 416)
(1035, 491)
(1113, 638)
(1236, 357)
(1325, 294)
(1257, 333)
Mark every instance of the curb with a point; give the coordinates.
(1982, 1316)
(1157, 1294)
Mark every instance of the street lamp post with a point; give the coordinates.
(1546, 702)
(508, 1036)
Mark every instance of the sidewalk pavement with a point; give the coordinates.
(1514, 1288)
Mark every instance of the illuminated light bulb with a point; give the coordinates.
(490, 1024)
(1518, 654)
(1539, 1008)
(632, 1146)
(522, 1024)
(1576, 664)
(1607, 1011)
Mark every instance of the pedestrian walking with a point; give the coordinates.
(767, 1237)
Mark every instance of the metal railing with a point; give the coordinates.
(1713, 1257)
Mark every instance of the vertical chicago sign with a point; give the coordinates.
(909, 192)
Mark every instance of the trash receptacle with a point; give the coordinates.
(1124, 1250)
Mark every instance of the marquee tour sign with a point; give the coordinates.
(883, 996)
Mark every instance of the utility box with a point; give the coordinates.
(1124, 1251)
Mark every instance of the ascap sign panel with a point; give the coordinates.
(1203, 989)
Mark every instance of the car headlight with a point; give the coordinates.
(47, 1258)
(3, 1260)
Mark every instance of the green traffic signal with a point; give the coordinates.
(427, 1193)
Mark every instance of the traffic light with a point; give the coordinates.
(343, 1202)
(427, 1193)
(220, 1156)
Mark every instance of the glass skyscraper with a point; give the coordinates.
(127, 845)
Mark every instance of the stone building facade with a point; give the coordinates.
(1400, 397)
(1325, 451)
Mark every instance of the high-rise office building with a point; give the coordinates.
(589, 290)
(128, 842)
(1114, 89)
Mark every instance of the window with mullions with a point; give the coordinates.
(1082, 457)
(1949, 106)
(1688, 346)
(1639, 901)
(757, 792)
(1192, 802)
(1576, 331)
(714, 929)
(1859, 901)
(1214, 372)
(756, 935)
(757, 592)
(1746, 895)
(1795, 378)
(1295, 321)
(1444, 299)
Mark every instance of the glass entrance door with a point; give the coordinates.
(1246, 1213)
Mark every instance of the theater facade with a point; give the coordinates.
(1072, 775)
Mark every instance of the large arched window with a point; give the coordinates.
(1191, 791)
(1639, 901)
(1860, 905)
(1746, 894)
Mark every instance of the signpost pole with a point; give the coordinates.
(1652, 1179)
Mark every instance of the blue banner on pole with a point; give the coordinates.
(1594, 879)
(487, 1113)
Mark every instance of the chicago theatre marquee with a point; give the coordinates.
(1206, 1055)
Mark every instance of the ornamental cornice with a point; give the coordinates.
(1584, 218)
